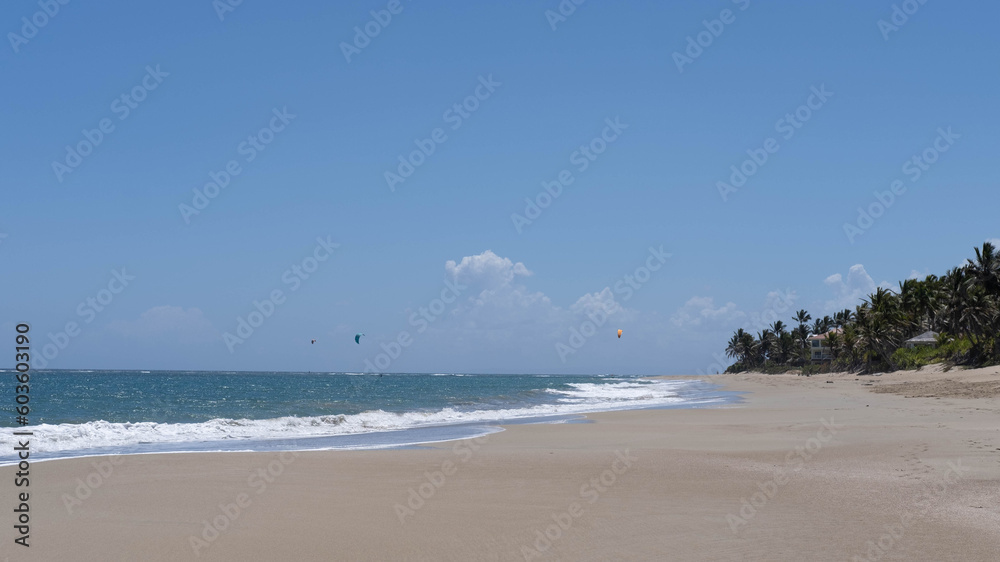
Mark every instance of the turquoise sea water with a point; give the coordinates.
(77, 413)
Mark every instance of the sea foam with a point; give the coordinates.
(579, 398)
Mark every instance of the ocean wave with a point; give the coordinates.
(591, 393)
(579, 398)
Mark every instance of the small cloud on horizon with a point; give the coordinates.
(702, 312)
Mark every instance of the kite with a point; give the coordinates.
(357, 338)
(314, 341)
(619, 334)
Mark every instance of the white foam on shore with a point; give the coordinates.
(581, 398)
(591, 393)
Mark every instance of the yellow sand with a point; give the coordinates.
(895, 477)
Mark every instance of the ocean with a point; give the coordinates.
(81, 413)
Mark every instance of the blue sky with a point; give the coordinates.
(208, 84)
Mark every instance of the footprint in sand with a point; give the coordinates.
(915, 467)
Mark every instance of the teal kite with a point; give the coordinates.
(357, 338)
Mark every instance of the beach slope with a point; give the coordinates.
(806, 468)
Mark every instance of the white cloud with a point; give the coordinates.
(778, 305)
(493, 300)
(501, 320)
(702, 312)
(850, 292)
(593, 303)
(168, 323)
(497, 306)
(994, 241)
(486, 270)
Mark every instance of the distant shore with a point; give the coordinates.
(826, 467)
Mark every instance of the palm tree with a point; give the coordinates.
(962, 304)
(833, 339)
(909, 305)
(881, 328)
(742, 346)
(802, 317)
(786, 347)
(765, 345)
(925, 298)
(802, 332)
(849, 341)
(732, 349)
(846, 316)
(954, 292)
(746, 347)
(977, 316)
(985, 271)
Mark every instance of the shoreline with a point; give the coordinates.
(463, 425)
(635, 484)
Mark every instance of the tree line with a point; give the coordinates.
(963, 306)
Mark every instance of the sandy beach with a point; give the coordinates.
(903, 466)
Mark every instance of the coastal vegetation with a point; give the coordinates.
(962, 307)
